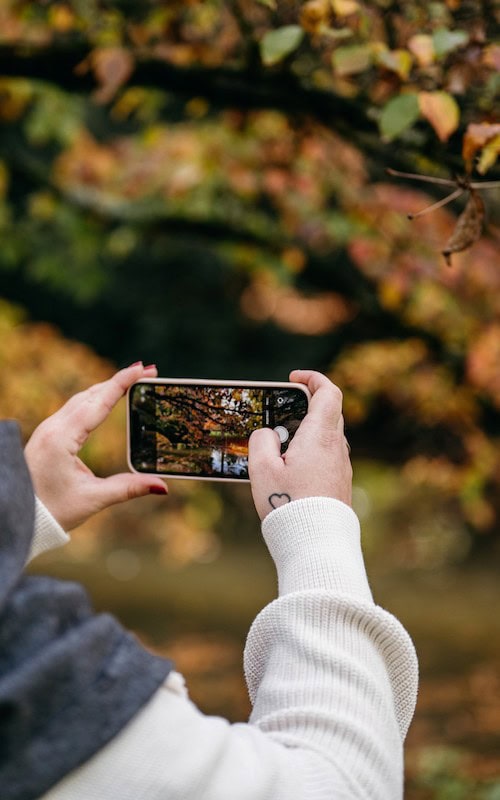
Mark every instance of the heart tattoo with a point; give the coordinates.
(277, 500)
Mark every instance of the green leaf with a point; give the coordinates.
(446, 41)
(276, 45)
(352, 59)
(398, 114)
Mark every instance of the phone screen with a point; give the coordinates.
(202, 430)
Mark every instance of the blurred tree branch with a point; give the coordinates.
(244, 89)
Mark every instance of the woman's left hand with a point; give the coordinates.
(64, 484)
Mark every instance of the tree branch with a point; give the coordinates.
(245, 88)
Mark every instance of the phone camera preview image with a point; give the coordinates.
(202, 430)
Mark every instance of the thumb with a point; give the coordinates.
(264, 450)
(127, 486)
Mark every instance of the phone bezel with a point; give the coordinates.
(203, 382)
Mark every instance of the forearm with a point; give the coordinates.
(328, 671)
(332, 679)
(337, 678)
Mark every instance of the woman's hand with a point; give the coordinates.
(316, 463)
(68, 488)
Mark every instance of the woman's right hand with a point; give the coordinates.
(316, 463)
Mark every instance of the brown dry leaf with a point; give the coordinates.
(468, 227)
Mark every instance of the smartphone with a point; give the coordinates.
(186, 428)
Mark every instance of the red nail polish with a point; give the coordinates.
(136, 363)
(157, 490)
(150, 366)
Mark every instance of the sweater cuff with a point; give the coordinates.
(315, 544)
(48, 533)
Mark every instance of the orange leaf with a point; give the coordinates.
(441, 110)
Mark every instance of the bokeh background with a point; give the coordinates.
(203, 185)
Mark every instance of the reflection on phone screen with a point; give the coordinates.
(203, 430)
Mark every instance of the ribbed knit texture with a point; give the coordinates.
(309, 555)
(332, 678)
(49, 533)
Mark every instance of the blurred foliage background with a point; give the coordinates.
(203, 185)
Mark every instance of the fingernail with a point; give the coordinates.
(158, 490)
(150, 366)
(136, 363)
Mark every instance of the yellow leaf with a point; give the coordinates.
(62, 18)
(489, 155)
(343, 8)
(398, 61)
(477, 137)
(441, 110)
(15, 96)
(422, 47)
(314, 15)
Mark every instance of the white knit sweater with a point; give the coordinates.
(331, 676)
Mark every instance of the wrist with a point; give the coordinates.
(315, 544)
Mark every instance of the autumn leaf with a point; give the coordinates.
(398, 61)
(483, 360)
(491, 56)
(344, 8)
(275, 45)
(479, 136)
(112, 67)
(15, 97)
(441, 110)
(315, 15)
(422, 47)
(468, 227)
(488, 157)
(352, 59)
(61, 18)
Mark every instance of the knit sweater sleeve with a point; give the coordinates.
(48, 534)
(332, 679)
